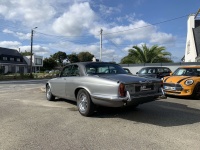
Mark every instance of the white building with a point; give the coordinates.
(192, 49)
(37, 62)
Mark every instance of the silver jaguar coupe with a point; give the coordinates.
(102, 83)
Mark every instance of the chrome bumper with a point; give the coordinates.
(128, 97)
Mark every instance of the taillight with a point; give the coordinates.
(122, 91)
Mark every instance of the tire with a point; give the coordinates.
(49, 95)
(196, 93)
(84, 103)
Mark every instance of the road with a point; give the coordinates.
(29, 121)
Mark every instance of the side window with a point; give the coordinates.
(160, 70)
(90, 70)
(75, 71)
(151, 70)
(143, 71)
(166, 70)
(66, 71)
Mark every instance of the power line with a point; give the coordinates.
(113, 43)
(146, 25)
(88, 35)
(62, 36)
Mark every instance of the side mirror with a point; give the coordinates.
(136, 72)
(170, 73)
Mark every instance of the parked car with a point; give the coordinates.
(155, 72)
(101, 83)
(185, 81)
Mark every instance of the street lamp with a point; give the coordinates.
(31, 50)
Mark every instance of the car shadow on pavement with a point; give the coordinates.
(159, 113)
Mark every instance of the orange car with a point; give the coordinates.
(185, 81)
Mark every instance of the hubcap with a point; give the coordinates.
(83, 103)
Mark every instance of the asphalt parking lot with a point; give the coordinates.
(28, 122)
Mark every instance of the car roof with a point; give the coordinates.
(189, 66)
(90, 62)
(155, 67)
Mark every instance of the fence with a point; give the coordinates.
(173, 66)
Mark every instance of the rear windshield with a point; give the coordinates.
(147, 71)
(104, 69)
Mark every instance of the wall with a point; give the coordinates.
(190, 48)
(173, 66)
(27, 59)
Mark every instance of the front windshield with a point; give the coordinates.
(187, 72)
(104, 68)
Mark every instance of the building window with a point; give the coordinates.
(38, 61)
(11, 59)
(18, 59)
(5, 58)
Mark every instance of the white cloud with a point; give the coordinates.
(129, 18)
(3, 9)
(23, 36)
(37, 49)
(117, 40)
(67, 18)
(127, 48)
(29, 12)
(20, 35)
(139, 31)
(8, 31)
(10, 44)
(162, 38)
(108, 10)
(75, 21)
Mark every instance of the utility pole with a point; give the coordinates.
(31, 59)
(101, 31)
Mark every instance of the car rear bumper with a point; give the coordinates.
(115, 101)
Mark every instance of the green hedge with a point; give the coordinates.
(25, 76)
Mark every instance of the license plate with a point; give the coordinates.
(169, 88)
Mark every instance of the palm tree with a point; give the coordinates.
(153, 54)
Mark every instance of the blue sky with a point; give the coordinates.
(74, 26)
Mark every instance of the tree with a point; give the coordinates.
(26, 53)
(128, 60)
(59, 57)
(85, 56)
(73, 58)
(143, 54)
(49, 64)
